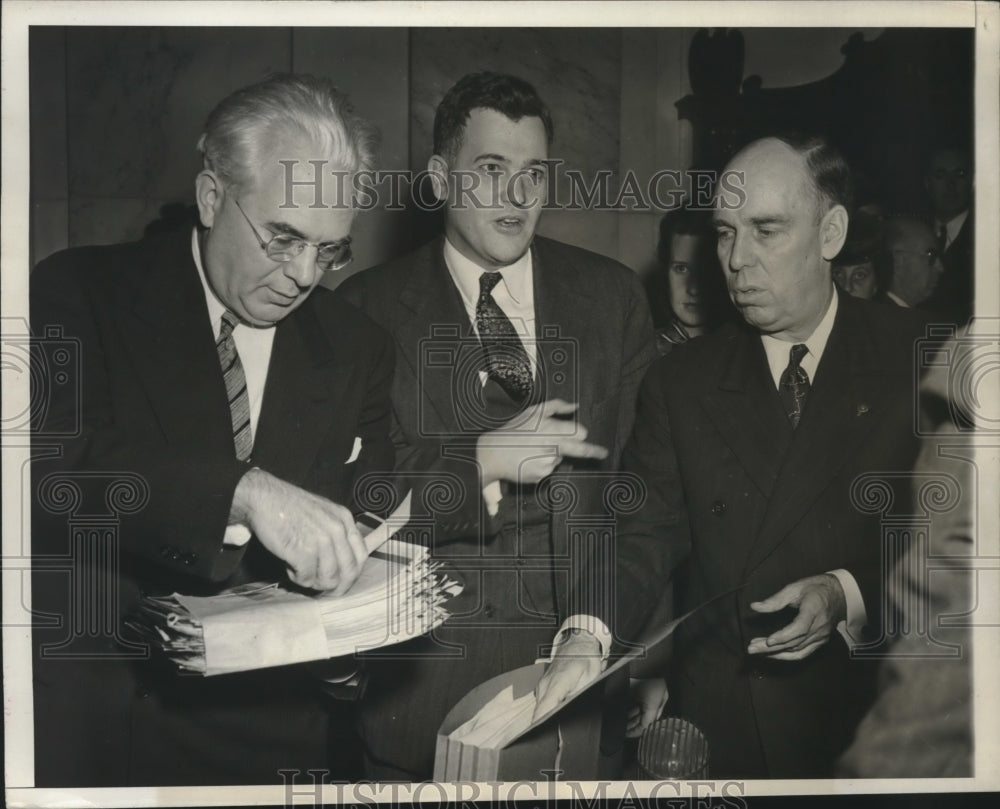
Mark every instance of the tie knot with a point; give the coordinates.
(795, 355)
(487, 281)
(229, 322)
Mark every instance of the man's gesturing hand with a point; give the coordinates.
(649, 697)
(316, 538)
(576, 662)
(821, 605)
(529, 446)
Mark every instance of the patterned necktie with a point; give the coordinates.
(506, 360)
(236, 386)
(793, 387)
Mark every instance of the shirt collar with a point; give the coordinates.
(777, 350)
(896, 299)
(215, 307)
(465, 273)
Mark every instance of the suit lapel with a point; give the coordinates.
(844, 405)
(435, 340)
(172, 344)
(563, 334)
(563, 314)
(306, 379)
(747, 412)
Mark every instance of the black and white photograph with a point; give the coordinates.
(480, 402)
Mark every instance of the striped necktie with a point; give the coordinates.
(236, 387)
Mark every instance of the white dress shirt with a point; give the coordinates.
(254, 347)
(778, 352)
(515, 295)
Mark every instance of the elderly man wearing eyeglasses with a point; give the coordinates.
(247, 402)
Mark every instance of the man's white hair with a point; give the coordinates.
(245, 125)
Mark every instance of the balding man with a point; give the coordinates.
(749, 440)
(913, 262)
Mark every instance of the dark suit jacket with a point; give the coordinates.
(595, 341)
(149, 405)
(953, 298)
(749, 503)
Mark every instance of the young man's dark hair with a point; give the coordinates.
(505, 94)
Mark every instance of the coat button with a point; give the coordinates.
(756, 673)
(488, 611)
(718, 507)
(519, 562)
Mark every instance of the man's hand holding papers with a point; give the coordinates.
(316, 538)
(398, 595)
(576, 662)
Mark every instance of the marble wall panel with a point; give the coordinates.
(107, 220)
(136, 103)
(576, 71)
(371, 65)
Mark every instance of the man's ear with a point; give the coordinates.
(437, 168)
(208, 193)
(833, 228)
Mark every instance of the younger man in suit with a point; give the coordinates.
(519, 361)
(226, 406)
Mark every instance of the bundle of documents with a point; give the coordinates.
(500, 721)
(487, 734)
(399, 595)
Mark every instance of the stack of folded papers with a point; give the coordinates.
(399, 595)
(498, 722)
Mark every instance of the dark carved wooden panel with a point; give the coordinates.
(889, 102)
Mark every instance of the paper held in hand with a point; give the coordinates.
(398, 596)
(488, 734)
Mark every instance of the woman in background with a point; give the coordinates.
(687, 293)
(859, 268)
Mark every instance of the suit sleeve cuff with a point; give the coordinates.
(236, 536)
(492, 496)
(587, 623)
(857, 617)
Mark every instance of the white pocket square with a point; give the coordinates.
(355, 451)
